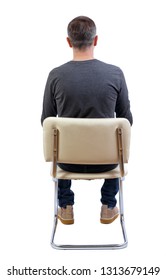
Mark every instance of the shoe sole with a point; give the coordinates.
(109, 221)
(66, 222)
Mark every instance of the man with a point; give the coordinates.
(86, 88)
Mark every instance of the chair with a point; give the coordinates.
(87, 141)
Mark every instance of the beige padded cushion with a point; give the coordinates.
(115, 173)
(85, 141)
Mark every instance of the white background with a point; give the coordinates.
(33, 41)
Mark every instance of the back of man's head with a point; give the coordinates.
(81, 32)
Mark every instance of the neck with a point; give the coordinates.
(83, 54)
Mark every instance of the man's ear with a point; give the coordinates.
(95, 40)
(69, 42)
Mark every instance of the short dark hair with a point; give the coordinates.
(81, 32)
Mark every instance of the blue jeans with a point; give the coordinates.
(108, 191)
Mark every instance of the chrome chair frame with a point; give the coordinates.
(90, 246)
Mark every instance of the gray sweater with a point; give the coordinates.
(86, 89)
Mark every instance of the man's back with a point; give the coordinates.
(86, 89)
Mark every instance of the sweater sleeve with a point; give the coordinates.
(123, 103)
(49, 105)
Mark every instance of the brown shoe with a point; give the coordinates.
(108, 215)
(65, 215)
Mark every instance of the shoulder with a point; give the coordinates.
(59, 69)
(110, 66)
(111, 70)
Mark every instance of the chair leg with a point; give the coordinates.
(91, 246)
(121, 206)
(55, 211)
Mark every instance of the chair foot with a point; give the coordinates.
(91, 246)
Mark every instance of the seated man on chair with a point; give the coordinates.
(86, 88)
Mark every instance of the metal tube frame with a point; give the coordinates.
(91, 246)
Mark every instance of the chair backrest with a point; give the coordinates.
(86, 141)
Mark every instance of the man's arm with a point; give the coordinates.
(123, 103)
(49, 104)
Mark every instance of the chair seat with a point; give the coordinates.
(115, 173)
